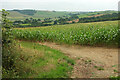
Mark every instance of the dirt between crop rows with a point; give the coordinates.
(91, 62)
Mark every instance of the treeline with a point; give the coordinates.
(33, 22)
(45, 22)
(65, 20)
(108, 17)
(27, 12)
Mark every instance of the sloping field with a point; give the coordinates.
(15, 15)
(49, 14)
(97, 33)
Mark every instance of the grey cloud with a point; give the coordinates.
(69, 5)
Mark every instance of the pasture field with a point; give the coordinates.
(96, 13)
(96, 33)
(50, 14)
(14, 15)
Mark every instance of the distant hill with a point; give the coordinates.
(89, 14)
(27, 12)
(39, 14)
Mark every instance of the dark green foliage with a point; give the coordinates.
(33, 22)
(7, 36)
(114, 78)
(107, 17)
(55, 22)
(8, 47)
(73, 16)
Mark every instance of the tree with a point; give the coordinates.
(8, 46)
(39, 19)
(55, 22)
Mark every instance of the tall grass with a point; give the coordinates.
(38, 61)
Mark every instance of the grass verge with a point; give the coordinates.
(38, 61)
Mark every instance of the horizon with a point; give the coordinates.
(58, 10)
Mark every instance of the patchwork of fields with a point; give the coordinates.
(14, 15)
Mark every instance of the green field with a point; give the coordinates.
(49, 14)
(14, 15)
(97, 33)
(96, 13)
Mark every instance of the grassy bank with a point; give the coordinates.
(38, 61)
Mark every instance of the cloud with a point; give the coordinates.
(71, 5)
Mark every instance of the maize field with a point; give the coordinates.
(97, 33)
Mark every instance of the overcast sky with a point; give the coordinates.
(61, 5)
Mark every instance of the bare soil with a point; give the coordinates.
(91, 62)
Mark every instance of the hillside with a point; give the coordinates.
(14, 15)
(89, 14)
(39, 14)
(17, 15)
(49, 14)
